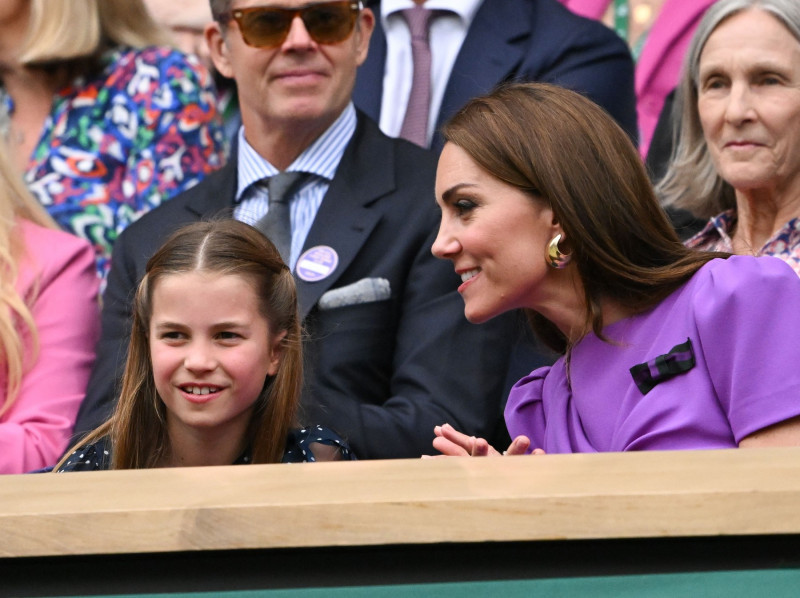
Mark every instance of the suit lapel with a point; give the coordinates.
(345, 219)
(220, 184)
(495, 45)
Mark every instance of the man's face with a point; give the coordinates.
(301, 84)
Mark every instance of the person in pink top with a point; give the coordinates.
(658, 42)
(49, 323)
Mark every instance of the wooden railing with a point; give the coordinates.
(555, 497)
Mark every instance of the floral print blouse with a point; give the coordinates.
(122, 141)
(716, 236)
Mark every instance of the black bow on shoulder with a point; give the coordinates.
(680, 359)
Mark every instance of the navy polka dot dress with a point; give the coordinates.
(300, 447)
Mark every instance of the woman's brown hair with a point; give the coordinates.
(563, 149)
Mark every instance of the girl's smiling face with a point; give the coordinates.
(212, 350)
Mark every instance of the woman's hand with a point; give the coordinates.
(452, 443)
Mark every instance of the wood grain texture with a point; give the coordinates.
(632, 495)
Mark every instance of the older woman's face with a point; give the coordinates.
(749, 102)
(495, 235)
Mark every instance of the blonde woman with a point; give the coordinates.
(102, 117)
(49, 323)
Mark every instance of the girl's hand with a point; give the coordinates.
(452, 443)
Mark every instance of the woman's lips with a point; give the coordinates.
(467, 278)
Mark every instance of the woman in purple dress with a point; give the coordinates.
(547, 208)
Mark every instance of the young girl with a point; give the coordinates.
(214, 363)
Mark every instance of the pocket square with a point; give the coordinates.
(680, 359)
(365, 290)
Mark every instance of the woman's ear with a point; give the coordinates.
(557, 230)
(276, 352)
(551, 219)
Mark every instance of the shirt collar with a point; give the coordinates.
(716, 229)
(465, 9)
(717, 233)
(322, 157)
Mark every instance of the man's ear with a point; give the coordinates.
(363, 33)
(218, 49)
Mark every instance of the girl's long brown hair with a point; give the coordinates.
(137, 429)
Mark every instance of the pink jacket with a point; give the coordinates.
(659, 66)
(58, 268)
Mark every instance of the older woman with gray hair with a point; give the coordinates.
(737, 152)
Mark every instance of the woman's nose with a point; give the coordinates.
(446, 245)
(740, 106)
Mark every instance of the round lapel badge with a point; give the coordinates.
(317, 263)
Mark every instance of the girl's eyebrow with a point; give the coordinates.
(232, 324)
(214, 326)
(168, 324)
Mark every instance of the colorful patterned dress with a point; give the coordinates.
(717, 236)
(119, 143)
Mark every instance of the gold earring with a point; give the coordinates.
(556, 259)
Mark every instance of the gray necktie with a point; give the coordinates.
(276, 223)
(415, 122)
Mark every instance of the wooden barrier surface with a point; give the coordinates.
(555, 497)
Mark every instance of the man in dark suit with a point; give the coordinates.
(528, 40)
(389, 352)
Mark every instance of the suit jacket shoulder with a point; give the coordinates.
(522, 40)
(540, 40)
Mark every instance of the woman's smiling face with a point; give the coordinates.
(495, 234)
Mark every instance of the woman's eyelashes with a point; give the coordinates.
(463, 206)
